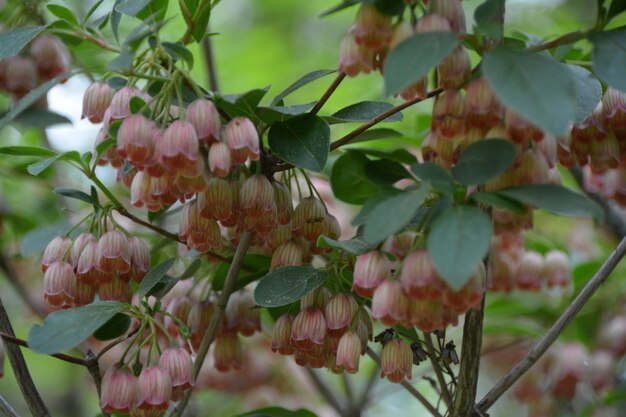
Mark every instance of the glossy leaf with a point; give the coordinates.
(114, 327)
(26, 151)
(364, 111)
(348, 179)
(303, 141)
(154, 276)
(391, 215)
(588, 92)
(483, 161)
(498, 200)
(609, 57)
(285, 285)
(65, 329)
(63, 13)
(76, 194)
(274, 114)
(539, 88)
(415, 57)
(385, 172)
(12, 41)
(301, 82)
(457, 242)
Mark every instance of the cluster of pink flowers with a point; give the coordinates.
(75, 271)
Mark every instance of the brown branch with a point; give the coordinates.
(550, 337)
(410, 388)
(61, 356)
(329, 92)
(447, 398)
(218, 315)
(326, 392)
(22, 375)
(209, 59)
(115, 342)
(7, 409)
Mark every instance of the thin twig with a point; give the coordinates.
(7, 409)
(22, 375)
(447, 398)
(325, 392)
(114, 343)
(61, 356)
(209, 59)
(410, 388)
(550, 337)
(329, 92)
(218, 315)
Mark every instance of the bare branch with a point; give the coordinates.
(326, 392)
(7, 409)
(329, 92)
(447, 398)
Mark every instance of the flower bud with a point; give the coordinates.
(135, 140)
(59, 285)
(400, 245)
(110, 156)
(179, 307)
(370, 270)
(530, 271)
(115, 290)
(198, 321)
(396, 361)
(521, 130)
(455, 69)
(316, 298)
(309, 218)
(614, 109)
(20, 75)
(483, 107)
(141, 192)
(452, 11)
(281, 335)
(96, 100)
(120, 104)
(119, 391)
(84, 294)
(419, 278)
(372, 28)
(338, 313)
(354, 58)
(613, 336)
(180, 147)
(256, 196)
(287, 254)
(594, 127)
(601, 370)
(242, 138)
(205, 119)
(77, 247)
(389, 304)
(501, 272)
(348, 352)
(87, 271)
(154, 389)
(604, 154)
(228, 353)
(177, 363)
(284, 202)
(220, 161)
(139, 259)
(557, 269)
(332, 228)
(308, 329)
(51, 56)
(113, 252)
(568, 370)
(218, 200)
(56, 250)
(449, 114)
(433, 23)
(201, 233)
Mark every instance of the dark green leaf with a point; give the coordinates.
(162, 287)
(609, 57)
(200, 23)
(539, 88)
(117, 82)
(40, 166)
(277, 412)
(341, 6)
(287, 284)
(498, 201)
(303, 141)
(617, 7)
(123, 61)
(385, 172)
(435, 174)
(415, 57)
(40, 118)
(348, 179)
(12, 41)
(30, 98)
(26, 151)
(375, 134)
(36, 240)
(399, 155)
(274, 114)
(115, 20)
(483, 161)
(392, 215)
(65, 329)
(355, 245)
(76, 194)
(179, 52)
(488, 17)
(371, 203)
(136, 105)
(242, 104)
(154, 276)
(458, 240)
(364, 111)
(144, 9)
(63, 13)
(92, 10)
(191, 270)
(114, 327)
(555, 199)
(388, 7)
(304, 80)
(588, 92)
(259, 264)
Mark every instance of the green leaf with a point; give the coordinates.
(12, 41)
(136, 104)
(341, 6)
(371, 203)
(40, 118)
(303, 141)
(277, 412)
(488, 16)
(115, 20)
(355, 245)
(435, 174)
(588, 91)
(302, 81)
(609, 57)
(348, 179)
(483, 161)
(114, 327)
(617, 7)
(63, 13)
(385, 172)
(200, 24)
(555, 199)
(191, 270)
(285, 285)
(364, 111)
(26, 151)
(154, 276)
(30, 98)
(38, 167)
(144, 9)
(65, 329)
(274, 114)
(244, 104)
(375, 134)
(458, 240)
(92, 10)
(162, 287)
(36, 240)
(121, 62)
(537, 87)
(388, 7)
(498, 200)
(415, 57)
(76, 194)
(179, 52)
(391, 215)
(399, 155)
(259, 264)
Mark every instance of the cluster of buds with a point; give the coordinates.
(329, 331)
(75, 271)
(513, 267)
(373, 35)
(418, 296)
(45, 58)
(149, 393)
